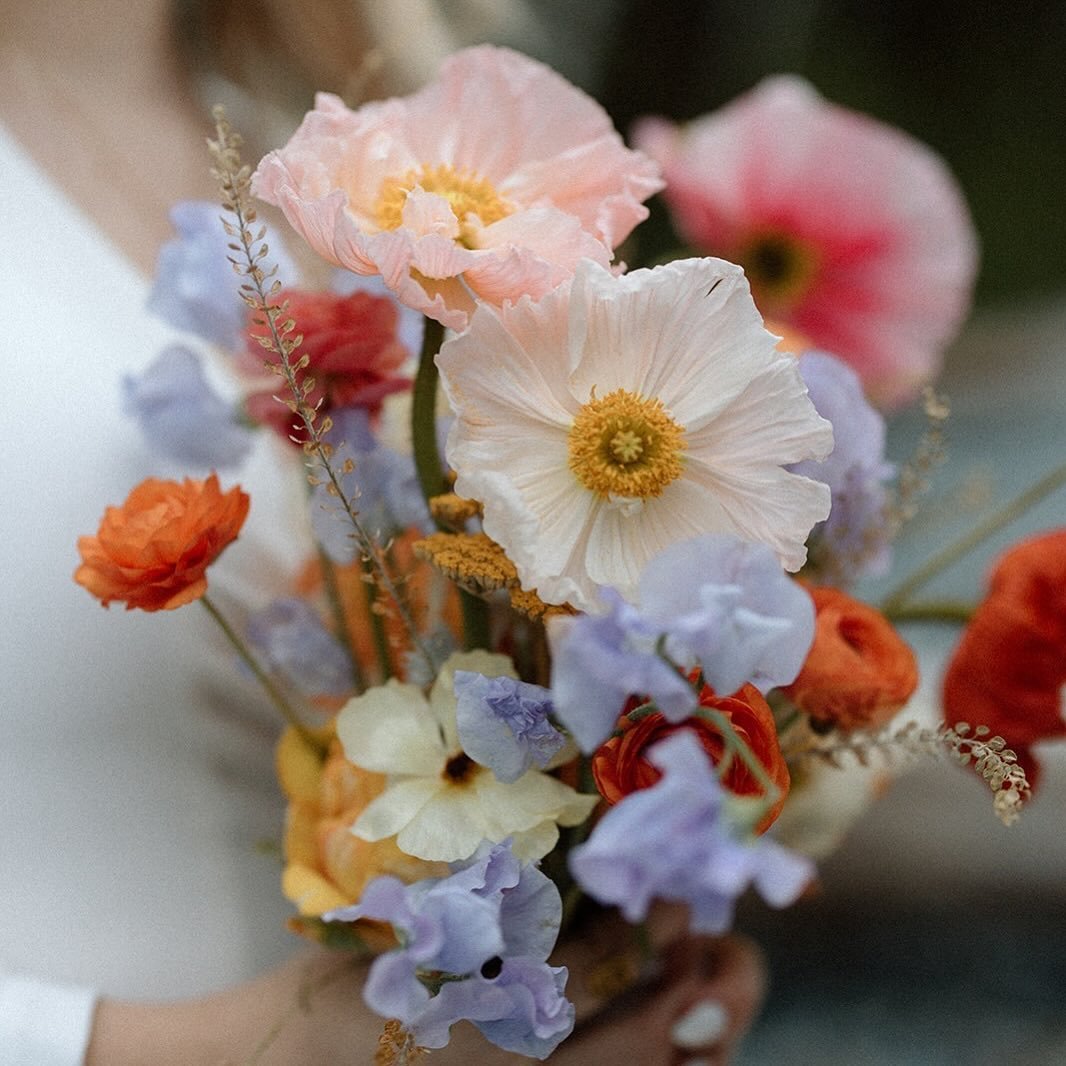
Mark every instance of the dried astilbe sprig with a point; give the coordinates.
(260, 290)
(478, 565)
(453, 511)
(914, 477)
(989, 755)
(396, 1046)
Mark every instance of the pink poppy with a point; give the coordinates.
(850, 231)
(489, 184)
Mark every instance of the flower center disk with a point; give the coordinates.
(466, 191)
(625, 445)
(780, 268)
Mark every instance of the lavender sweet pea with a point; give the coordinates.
(474, 946)
(676, 841)
(182, 417)
(716, 601)
(196, 288)
(291, 640)
(382, 482)
(852, 537)
(503, 724)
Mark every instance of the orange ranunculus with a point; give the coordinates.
(1009, 670)
(621, 766)
(153, 551)
(326, 865)
(859, 671)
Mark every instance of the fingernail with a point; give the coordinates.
(702, 1024)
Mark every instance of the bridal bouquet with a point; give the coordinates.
(577, 616)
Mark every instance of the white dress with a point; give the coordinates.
(136, 773)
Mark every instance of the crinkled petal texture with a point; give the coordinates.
(438, 803)
(852, 232)
(153, 552)
(685, 336)
(491, 182)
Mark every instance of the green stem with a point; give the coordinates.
(771, 793)
(946, 611)
(424, 414)
(340, 619)
(277, 697)
(377, 626)
(428, 467)
(982, 531)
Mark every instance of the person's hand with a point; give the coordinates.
(310, 1012)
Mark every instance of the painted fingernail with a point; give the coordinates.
(702, 1024)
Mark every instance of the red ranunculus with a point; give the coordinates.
(1009, 670)
(621, 765)
(354, 354)
(859, 671)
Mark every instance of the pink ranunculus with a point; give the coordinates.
(850, 231)
(489, 184)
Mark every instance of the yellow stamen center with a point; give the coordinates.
(625, 445)
(780, 269)
(468, 193)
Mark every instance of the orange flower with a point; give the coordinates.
(1009, 670)
(859, 671)
(621, 766)
(153, 551)
(326, 865)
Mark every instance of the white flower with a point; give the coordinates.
(619, 415)
(439, 803)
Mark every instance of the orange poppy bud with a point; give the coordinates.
(859, 671)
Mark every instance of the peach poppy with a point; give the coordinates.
(621, 765)
(859, 671)
(353, 351)
(490, 183)
(1009, 670)
(851, 233)
(326, 865)
(153, 552)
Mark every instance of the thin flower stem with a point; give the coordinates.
(377, 627)
(735, 746)
(343, 631)
(277, 697)
(938, 611)
(991, 525)
(428, 467)
(424, 414)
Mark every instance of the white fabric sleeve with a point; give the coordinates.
(43, 1024)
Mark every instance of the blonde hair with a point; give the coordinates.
(265, 59)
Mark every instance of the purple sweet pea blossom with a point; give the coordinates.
(180, 414)
(291, 640)
(503, 724)
(196, 288)
(382, 483)
(714, 601)
(474, 946)
(855, 471)
(675, 841)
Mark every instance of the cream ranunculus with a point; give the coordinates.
(438, 803)
(619, 415)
